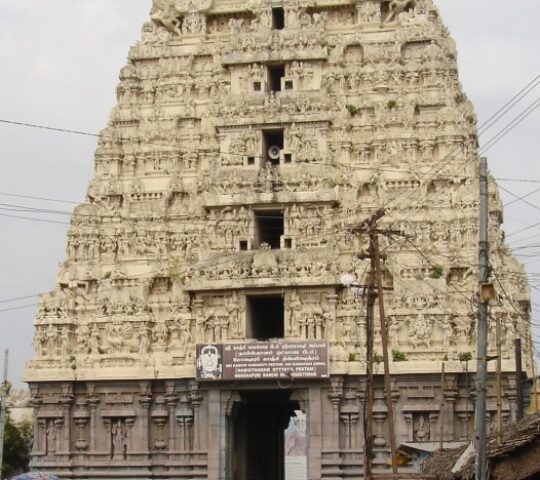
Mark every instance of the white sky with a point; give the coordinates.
(59, 64)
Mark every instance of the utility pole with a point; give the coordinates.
(374, 245)
(4, 390)
(368, 420)
(369, 227)
(519, 380)
(442, 407)
(481, 351)
(499, 380)
(534, 379)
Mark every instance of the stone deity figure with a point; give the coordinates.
(50, 438)
(448, 333)
(118, 439)
(39, 338)
(83, 336)
(51, 340)
(421, 430)
(160, 335)
(185, 335)
(94, 342)
(393, 333)
(295, 309)
(144, 342)
(65, 342)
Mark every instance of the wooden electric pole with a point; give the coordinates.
(519, 380)
(375, 289)
(4, 390)
(374, 245)
(368, 420)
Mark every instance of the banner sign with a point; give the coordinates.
(272, 360)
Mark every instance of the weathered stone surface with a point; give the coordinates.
(368, 112)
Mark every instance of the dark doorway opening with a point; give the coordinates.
(275, 74)
(265, 317)
(278, 18)
(270, 227)
(273, 142)
(260, 422)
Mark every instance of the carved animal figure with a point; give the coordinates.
(396, 7)
(166, 15)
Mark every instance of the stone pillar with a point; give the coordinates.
(196, 400)
(40, 442)
(409, 422)
(93, 403)
(335, 395)
(59, 440)
(66, 404)
(145, 430)
(35, 402)
(450, 397)
(214, 434)
(314, 432)
(130, 422)
(433, 434)
(172, 401)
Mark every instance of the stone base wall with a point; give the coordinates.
(179, 428)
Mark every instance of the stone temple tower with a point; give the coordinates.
(199, 328)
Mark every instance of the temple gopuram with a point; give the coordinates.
(199, 327)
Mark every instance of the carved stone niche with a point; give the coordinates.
(49, 439)
(159, 416)
(81, 417)
(118, 424)
(184, 418)
(420, 420)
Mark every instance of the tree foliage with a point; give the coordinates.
(17, 442)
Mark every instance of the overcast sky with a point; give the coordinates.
(59, 64)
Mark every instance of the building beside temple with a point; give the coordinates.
(199, 328)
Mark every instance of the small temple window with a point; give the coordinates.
(265, 317)
(273, 142)
(278, 18)
(275, 74)
(270, 227)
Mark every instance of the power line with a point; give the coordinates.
(15, 299)
(510, 104)
(20, 217)
(513, 124)
(46, 127)
(5, 194)
(12, 309)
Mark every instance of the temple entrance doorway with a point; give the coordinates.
(268, 426)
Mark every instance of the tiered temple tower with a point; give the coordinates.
(200, 309)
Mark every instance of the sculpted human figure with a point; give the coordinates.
(65, 342)
(160, 335)
(83, 338)
(393, 333)
(51, 340)
(94, 342)
(144, 342)
(39, 339)
(448, 333)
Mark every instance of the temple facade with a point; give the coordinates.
(199, 327)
